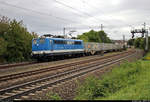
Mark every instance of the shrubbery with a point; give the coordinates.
(138, 43)
(125, 77)
(15, 41)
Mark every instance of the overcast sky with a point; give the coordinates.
(51, 16)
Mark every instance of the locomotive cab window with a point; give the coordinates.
(59, 42)
(77, 43)
(42, 41)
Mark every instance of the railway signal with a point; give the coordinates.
(143, 31)
(132, 36)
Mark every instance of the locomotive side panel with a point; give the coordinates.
(56, 46)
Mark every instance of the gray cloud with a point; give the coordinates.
(48, 16)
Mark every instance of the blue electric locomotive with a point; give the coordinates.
(47, 47)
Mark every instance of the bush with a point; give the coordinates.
(139, 42)
(121, 77)
(15, 41)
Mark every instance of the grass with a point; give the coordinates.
(53, 96)
(129, 81)
(147, 57)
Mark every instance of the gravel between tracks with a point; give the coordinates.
(34, 77)
(37, 66)
(67, 90)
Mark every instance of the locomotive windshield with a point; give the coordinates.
(42, 40)
(77, 42)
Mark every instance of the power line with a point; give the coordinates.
(76, 9)
(61, 3)
(40, 13)
(68, 7)
(84, 2)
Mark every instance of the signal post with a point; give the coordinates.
(143, 31)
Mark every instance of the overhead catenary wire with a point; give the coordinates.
(61, 3)
(93, 7)
(84, 2)
(40, 13)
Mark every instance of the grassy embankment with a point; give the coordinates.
(129, 81)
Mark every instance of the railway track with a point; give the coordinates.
(24, 89)
(7, 66)
(29, 73)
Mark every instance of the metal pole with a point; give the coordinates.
(146, 48)
(64, 32)
(101, 27)
(146, 37)
(124, 41)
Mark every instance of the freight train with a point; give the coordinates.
(47, 47)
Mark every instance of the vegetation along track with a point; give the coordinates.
(29, 73)
(17, 91)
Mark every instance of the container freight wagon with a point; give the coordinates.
(93, 48)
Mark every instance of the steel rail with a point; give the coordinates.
(28, 73)
(38, 88)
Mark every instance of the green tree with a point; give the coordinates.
(103, 37)
(131, 42)
(3, 49)
(15, 40)
(142, 43)
(4, 25)
(138, 42)
(34, 35)
(19, 42)
(94, 36)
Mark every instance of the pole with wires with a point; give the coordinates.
(64, 32)
(146, 37)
